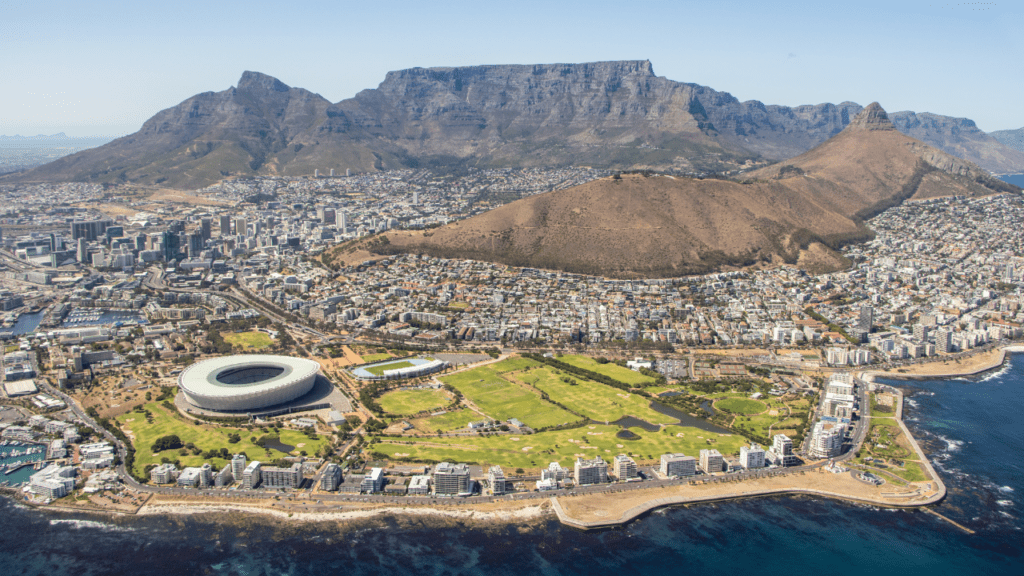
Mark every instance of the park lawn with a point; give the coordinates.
(378, 370)
(744, 406)
(254, 340)
(454, 420)
(368, 358)
(412, 401)
(536, 450)
(592, 399)
(501, 399)
(911, 471)
(204, 436)
(878, 410)
(611, 370)
(513, 364)
(458, 305)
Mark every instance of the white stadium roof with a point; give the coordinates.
(247, 382)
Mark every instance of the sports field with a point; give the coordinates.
(378, 370)
(412, 401)
(501, 399)
(611, 370)
(592, 399)
(744, 406)
(253, 340)
(537, 450)
(447, 422)
(374, 357)
(204, 436)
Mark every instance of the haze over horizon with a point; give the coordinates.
(104, 68)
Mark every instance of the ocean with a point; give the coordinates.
(972, 428)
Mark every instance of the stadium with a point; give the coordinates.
(399, 369)
(247, 382)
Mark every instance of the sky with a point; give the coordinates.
(104, 67)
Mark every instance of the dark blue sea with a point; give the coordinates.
(972, 428)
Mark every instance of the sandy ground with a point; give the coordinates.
(615, 505)
(965, 366)
(504, 511)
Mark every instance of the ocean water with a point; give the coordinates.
(972, 428)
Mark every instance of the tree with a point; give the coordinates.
(169, 442)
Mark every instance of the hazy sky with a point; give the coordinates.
(104, 67)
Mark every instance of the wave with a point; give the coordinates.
(951, 445)
(1005, 489)
(1005, 369)
(83, 524)
(910, 402)
(1004, 502)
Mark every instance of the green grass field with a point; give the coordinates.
(741, 405)
(374, 357)
(455, 420)
(204, 436)
(539, 449)
(592, 399)
(412, 401)
(378, 370)
(249, 340)
(611, 370)
(501, 399)
(513, 364)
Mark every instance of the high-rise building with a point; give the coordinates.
(274, 477)
(675, 465)
(91, 230)
(251, 477)
(752, 456)
(711, 460)
(206, 228)
(82, 254)
(171, 243)
(238, 466)
(451, 479)
(331, 478)
(781, 453)
(241, 227)
(826, 440)
(195, 244)
(590, 471)
(496, 478)
(943, 341)
(866, 318)
(625, 468)
(373, 482)
(225, 225)
(342, 219)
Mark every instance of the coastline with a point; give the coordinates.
(996, 358)
(595, 511)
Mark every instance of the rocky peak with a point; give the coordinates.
(259, 82)
(872, 117)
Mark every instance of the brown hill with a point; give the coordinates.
(651, 226)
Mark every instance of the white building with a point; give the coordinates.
(826, 440)
(451, 479)
(496, 478)
(676, 465)
(419, 485)
(164, 474)
(53, 481)
(752, 456)
(331, 477)
(252, 475)
(590, 471)
(711, 460)
(274, 477)
(373, 482)
(625, 468)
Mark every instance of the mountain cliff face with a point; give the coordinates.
(799, 211)
(611, 114)
(1012, 138)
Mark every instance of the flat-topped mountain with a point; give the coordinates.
(654, 226)
(607, 114)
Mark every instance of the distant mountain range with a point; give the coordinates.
(1012, 138)
(607, 114)
(798, 211)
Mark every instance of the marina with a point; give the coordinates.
(19, 460)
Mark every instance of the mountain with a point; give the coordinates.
(1012, 138)
(962, 138)
(610, 114)
(799, 211)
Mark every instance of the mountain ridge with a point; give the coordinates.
(611, 114)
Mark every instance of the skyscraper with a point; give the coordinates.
(206, 228)
(866, 318)
(225, 225)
